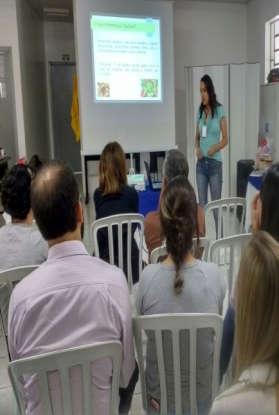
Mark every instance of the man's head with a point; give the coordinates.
(175, 164)
(16, 193)
(55, 203)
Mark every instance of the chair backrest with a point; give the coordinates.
(198, 244)
(2, 220)
(175, 323)
(225, 217)
(8, 279)
(158, 253)
(62, 361)
(114, 226)
(226, 253)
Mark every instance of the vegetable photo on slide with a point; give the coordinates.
(149, 88)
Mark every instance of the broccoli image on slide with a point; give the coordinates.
(149, 88)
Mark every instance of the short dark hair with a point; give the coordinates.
(16, 192)
(35, 164)
(54, 197)
(175, 164)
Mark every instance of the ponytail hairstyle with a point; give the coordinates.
(178, 216)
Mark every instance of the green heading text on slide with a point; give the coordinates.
(122, 25)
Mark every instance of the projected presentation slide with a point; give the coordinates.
(126, 58)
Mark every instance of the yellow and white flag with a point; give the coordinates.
(75, 123)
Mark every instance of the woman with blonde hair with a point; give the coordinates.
(265, 216)
(257, 327)
(114, 197)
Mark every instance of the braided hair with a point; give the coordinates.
(178, 215)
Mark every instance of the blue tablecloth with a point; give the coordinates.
(256, 180)
(148, 201)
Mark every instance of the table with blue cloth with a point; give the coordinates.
(148, 201)
(254, 185)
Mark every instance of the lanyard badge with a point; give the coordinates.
(204, 131)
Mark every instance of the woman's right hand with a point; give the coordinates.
(199, 153)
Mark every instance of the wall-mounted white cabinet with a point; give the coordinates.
(269, 114)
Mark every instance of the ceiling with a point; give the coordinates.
(39, 6)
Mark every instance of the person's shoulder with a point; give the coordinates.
(130, 191)
(150, 272)
(4, 230)
(35, 230)
(23, 290)
(151, 217)
(97, 194)
(239, 399)
(110, 274)
(221, 110)
(212, 273)
(208, 267)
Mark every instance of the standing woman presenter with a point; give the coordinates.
(211, 138)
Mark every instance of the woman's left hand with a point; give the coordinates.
(213, 150)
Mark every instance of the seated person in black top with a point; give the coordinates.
(114, 197)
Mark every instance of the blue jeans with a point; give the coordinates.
(209, 173)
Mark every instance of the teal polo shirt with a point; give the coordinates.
(213, 131)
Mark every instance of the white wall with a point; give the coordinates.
(205, 33)
(9, 38)
(31, 43)
(258, 13)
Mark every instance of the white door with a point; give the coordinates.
(220, 78)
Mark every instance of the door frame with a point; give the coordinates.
(8, 50)
(49, 102)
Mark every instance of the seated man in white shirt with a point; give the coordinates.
(73, 299)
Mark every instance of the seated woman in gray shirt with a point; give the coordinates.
(21, 242)
(180, 284)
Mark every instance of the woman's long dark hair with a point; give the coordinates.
(213, 103)
(178, 215)
(270, 202)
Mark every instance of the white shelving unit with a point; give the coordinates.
(269, 114)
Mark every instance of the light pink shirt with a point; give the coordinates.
(72, 299)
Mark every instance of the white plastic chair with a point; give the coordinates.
(175, 323)
(8, 279)
(114, 225)
(2, 220)
(62, 361)
(226, 253)
(227, 215)
(161, 251)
